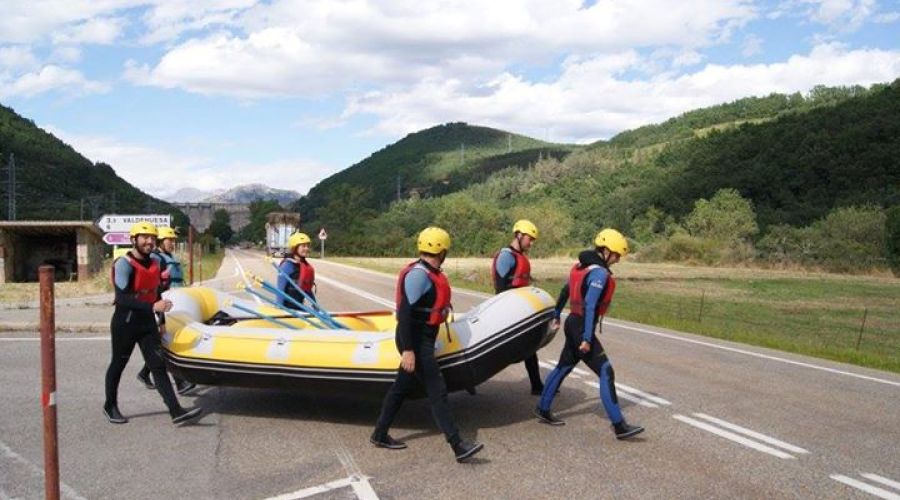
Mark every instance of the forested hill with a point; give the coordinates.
(428, 163)
(56, 182)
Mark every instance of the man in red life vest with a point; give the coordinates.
(299, 270)
(136, 280)
(512, 269)
(423, 303)
(590, 290)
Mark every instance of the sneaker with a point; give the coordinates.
(113, 415)
(547, 417)
(184, 387)
(182, 416)
(464, 450)
(625, 431)
(386, 441)
(144, 378)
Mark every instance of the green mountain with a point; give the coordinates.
(53, 181)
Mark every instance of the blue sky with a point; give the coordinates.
(218, 93)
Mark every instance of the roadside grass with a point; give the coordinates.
(852, 319)
(99, 283)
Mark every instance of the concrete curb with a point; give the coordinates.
(102, 300)
(73, 327)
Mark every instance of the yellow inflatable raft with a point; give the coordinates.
(212, 339)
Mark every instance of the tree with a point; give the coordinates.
(726, 217)
(892, 238)
(220, 227)
(255, 230)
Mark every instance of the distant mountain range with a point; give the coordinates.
(240, 194)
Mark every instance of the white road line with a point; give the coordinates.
(357, 291)
(583, 373)
(883, 480)
(733, 437)
(756, 435)
(551, 366)
(868, 488)
(65, 490)
(358, 481)
(649, 397)
(313, 490)
(237, 262)
(624, 395)
(756, 354)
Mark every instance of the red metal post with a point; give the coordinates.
(48, 383)
(191, 253)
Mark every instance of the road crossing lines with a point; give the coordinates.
(889, 494)
(742, 435)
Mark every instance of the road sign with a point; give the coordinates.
(322, 234)
(122, 223)
(117, 239)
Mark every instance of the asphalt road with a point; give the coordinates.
(723, 420)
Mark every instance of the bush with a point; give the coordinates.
(892, 238)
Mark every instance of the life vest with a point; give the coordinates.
(576, 292)
(171, 275)
(438, 311)
(521, 273)
(306, 278)
(145, 281)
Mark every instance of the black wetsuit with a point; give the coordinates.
(502, 284)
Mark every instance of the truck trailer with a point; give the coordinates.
(279, 227)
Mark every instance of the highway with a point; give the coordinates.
(723, 420)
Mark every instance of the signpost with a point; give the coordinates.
(122, 223)
(117, 239)
(322, 237)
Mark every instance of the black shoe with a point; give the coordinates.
(113, 415)
(625, 431)
(386, 441)
(144, 378)
(464, 451)
(182, 416)
(537, 390)
(184, 387)
(547, 417)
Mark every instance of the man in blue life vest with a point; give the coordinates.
(136, 280)
(590, 289)
(423, 303)
(297, 269)
(512, 269)
(172, 277)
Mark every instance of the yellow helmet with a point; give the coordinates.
(526, 227)
(613, 240)
(166, 232)
(298, 239)
(142, 227)
(433, 240)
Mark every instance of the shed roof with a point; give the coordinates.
(52, 227)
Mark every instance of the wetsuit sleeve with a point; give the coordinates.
(122, 277)
(597, 279)
(288, 270)
(561, 301)
(505, 264)
(415, 285)
(163, 284)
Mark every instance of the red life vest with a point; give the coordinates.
(146, 280)
(576, 282)
(306, 278)
(521, 274)
(438, 312)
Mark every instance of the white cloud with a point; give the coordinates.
(17, 57)
(161, 172)
(752, 45)
(66, 54)
(588, 101)
(100, 30)
(839, 15)
(887, 17)
(50, 77)
(310, 47)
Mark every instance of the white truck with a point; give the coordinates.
(279, 227)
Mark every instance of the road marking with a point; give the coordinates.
(624, 395)
(868, 488)
(883, 480)
(244, 277)
(756, 354)
(313, 490)
(551, 365)
(756, 435)
(583, 373)
(649, 397)
(7, 452)
(732, 436)
(357, 291)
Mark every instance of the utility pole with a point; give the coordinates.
(509, 143)
(398, 187)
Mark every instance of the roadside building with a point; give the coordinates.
(75, 248)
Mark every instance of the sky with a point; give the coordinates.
(216, 93)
